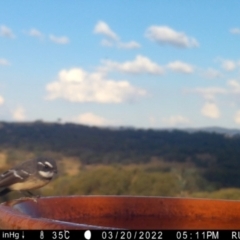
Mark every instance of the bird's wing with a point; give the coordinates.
(12, 176)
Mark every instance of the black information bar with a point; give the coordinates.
(119, 234)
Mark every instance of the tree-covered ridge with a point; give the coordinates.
(215, 155)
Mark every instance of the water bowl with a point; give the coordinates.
(119, 212)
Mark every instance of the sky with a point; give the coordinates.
(142, 64)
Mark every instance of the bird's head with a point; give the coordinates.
(46, 167)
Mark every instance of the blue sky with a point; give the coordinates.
(146, 64)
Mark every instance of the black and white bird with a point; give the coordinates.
(29, 175)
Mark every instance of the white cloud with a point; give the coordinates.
(19, 114)
(237, 117)
(59, 40)
(229, 65)
(235, 85)
(209, 93)
(4, 62)
(90, 119)
(212, 73)
(167, 35)
(6, 32)
(77, 85)
(102, 28)
(235, 30)
(1, 100)
(140, 64)
(176, 120)
(35, 33)
(181, 67)
(210, 110)
(129, 45)
(113, 39)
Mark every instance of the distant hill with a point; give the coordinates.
(220, 130)
(216, 155)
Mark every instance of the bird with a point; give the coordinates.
(29, 175)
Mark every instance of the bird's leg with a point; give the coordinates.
(37, 196)
(26, 193)
(29, 194)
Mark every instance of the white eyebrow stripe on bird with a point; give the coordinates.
(49, 164)
(25, 172)
(15, 174)
(40, 163)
